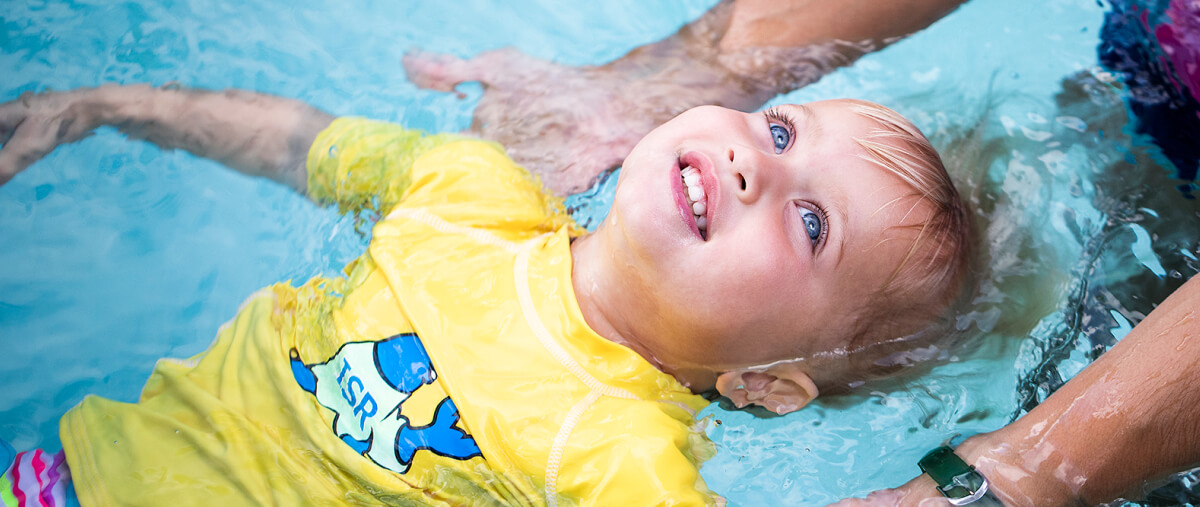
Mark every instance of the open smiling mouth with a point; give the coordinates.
(693, 192)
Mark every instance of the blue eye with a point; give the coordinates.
(813, 225)
(781, 137)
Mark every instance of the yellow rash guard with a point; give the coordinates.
(450, 366)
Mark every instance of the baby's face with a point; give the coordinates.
(753, 237)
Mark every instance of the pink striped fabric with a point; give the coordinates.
(38, 479)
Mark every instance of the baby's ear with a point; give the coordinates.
(781, 388)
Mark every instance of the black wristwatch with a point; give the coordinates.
(959, 482)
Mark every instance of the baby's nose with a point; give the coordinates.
(750, 173)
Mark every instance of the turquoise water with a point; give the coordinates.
(116, 254)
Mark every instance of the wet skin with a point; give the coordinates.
(800, 233)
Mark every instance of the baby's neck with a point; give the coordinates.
(601, 301)
(598, 302)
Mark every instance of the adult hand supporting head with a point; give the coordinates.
(565, 124)
(569, 124)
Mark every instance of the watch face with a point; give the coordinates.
(954, 477)
(943, 465)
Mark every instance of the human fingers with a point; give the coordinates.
(12, 113)
(32, 126)
(437, 71)
(908, 495)
(506, 68)
(23, 146)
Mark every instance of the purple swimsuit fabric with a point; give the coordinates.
(1154, 45)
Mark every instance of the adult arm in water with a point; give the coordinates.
(258, 134)
(1128, 418)
(569, 124)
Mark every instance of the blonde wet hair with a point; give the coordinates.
(938, 256)
(930, 276)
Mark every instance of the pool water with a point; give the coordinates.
(116, 254)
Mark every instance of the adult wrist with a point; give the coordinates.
(112, 104)
(956, 480)
(989, 454)
(1006, 462)
(697, 57)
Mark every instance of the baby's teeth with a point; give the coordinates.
(695, 192)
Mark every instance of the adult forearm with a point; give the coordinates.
(784, 45)
(791, 23)
(741, 53)
(1132, 416)
(254, 133)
